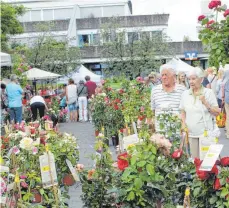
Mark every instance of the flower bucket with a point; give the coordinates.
(68, 180)
(122, 161)
(37, 198)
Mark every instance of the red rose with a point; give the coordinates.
(197, 162)
(214, 170)
(201, 17)
(109, 88)
(141, 118)
(117, 100)
(116, 107)
(177, 154)
(217, 184)
(224, 161)
(122, 161)
(213, 4)
(226, 13)
(210, 22)
(202, 175)
(42, 141)
(121, 91)
(121, 130)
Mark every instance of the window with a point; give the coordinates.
(36, 15)
(47, 14)
(156, 34)
(132, 36)
(88, 39)
(145, 35)
(62, 14)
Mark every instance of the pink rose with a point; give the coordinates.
(201, 17)
(35, 150)
(214, 4)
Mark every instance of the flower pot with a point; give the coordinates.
(37, 198)
(68, 180)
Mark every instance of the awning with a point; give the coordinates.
(38, 74)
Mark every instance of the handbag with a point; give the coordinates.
(221, 118)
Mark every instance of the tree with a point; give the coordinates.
(144, 51)
(49, 54)
(9, 22)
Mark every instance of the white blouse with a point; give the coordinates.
(196, 112)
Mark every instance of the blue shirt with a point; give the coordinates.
(226, 91)
(14, 94)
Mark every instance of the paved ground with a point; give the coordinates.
(84, 132)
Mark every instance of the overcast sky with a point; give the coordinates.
(183, 15)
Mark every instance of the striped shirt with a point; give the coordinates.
(162, 100)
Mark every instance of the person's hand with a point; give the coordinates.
(202, 99)
(223, 101)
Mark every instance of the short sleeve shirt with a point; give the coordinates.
(161, 99)
(196, 112)
(14, 94)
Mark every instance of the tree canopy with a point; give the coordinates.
(9, 22)
(143, 52)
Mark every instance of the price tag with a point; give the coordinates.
(73, 170)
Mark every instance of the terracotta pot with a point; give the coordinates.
(68, 180)
(37, 198)
(96, 133)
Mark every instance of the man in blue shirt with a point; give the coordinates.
(14, 94)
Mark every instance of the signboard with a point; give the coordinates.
(211, 157)
(48, 170)
(191, 55)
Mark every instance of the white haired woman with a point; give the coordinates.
(198, 109)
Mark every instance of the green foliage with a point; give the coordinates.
(215, 37)
(96, 187)
(9, 22)
(132, 58)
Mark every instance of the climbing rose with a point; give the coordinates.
(224, 161)
(226, 13)
(197, 162)
(214, 170)
(201, 17)
(213, 4)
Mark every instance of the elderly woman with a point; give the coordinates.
(14, 93)
(198, 109)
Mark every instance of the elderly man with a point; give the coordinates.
(168, 94)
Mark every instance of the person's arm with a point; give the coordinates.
(183, 118)
(66, 93)
(212, 106)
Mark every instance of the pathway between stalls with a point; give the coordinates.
(84, 133)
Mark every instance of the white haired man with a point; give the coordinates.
(168, 94)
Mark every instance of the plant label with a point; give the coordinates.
(204, 145)
(73, 170)
(211, 157)
(130, 140)
(48, 170)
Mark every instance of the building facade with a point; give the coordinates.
(80, 23)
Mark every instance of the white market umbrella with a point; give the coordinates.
(180, 66)
(38, 74)
(5, 59)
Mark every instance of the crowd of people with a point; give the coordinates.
(75, 97)
(198, 96)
